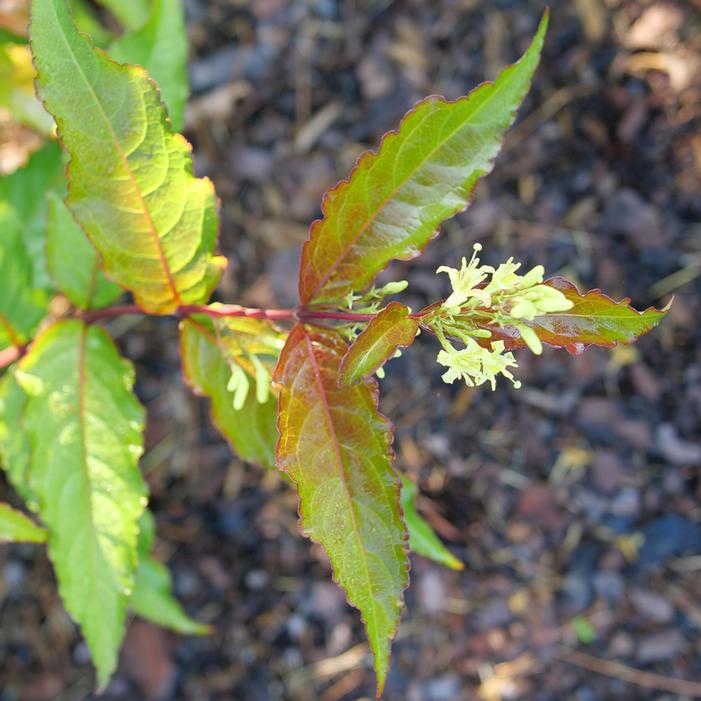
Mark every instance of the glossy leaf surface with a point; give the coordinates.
(16, 527)
(422, 538)
(390, 330)
(252, 430)
(130, 178)
(336, 447)
(160, 46)
(21, 305)
(594, 320)
(85, 429)
(153, 598)
(423, 173)
(73, 263)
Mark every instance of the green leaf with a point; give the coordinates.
(131, 13)
(21, 305)
(594, 320)
(131, 186)
(73, 263)
(160, 46)
(15, 527)
(423, 173)
(14, 442)
(25, 190)
(252, 430)
(85, 429)
(336, 447)
(390, 330)
(422, 538)
(152, 598)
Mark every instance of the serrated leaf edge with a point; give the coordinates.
(374, 389)
(215, 261)
(369, 155)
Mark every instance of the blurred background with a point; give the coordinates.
(574, 502)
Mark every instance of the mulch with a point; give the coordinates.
(574, 501)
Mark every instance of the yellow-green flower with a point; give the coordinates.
(538, 301)
(476, 365)
(465, 282)
(505, 278)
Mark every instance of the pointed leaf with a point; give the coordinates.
(73, 262)
(422, 538)
(336, 447)
(25, 190)
(85, 429)
(390, 330)
(14, 442)
(423, 173)
(15, 527)
(252, 430)
(160, 46)
(131, 186)
(131, 13)
(21, 305)
(153, 598)
(594, 320)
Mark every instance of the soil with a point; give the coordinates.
(574, 502)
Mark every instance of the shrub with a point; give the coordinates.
(290, 389)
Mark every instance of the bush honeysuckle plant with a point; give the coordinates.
(290, 389)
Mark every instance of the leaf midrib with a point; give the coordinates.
(337, 449)
(334, 266)
(151, 226)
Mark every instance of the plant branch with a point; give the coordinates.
(233, 310)
(9, 355)
(310, 314)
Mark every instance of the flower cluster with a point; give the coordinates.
(505, 298)
(476, 365)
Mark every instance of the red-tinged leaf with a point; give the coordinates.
(423, 173)
(390, 330)
(336, 447)
(594, 320)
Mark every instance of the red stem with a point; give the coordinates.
(233, 310)
(308, 314)
(224, 310)
(9, 355)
